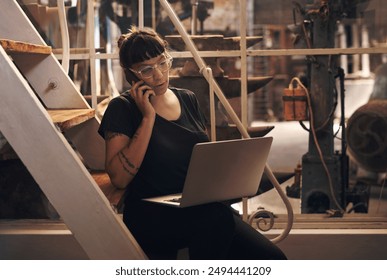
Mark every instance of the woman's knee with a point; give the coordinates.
(217, 216)
(248, 243)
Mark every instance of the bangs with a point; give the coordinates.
(135, 49)
(145, 49)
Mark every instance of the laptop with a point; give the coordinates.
(220, 171)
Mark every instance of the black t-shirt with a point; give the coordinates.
(165, 164)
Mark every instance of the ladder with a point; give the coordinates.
(53, 131)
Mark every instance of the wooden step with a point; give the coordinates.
(113, 194)
(68, 118)
(11, 47)
(100, 98)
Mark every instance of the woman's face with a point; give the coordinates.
(154, 72)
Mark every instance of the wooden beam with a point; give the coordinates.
(238, 53)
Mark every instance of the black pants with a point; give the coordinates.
(210, 231)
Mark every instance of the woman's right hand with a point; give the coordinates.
(142, 93)
(124, 155)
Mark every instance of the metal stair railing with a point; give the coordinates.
(207, 73)
(64, 35)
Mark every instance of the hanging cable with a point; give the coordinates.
(381, 191)
(330, 115)
(311, 117)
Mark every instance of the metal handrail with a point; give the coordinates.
(64, 35)
(210, 79)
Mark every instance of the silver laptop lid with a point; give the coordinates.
(225, 170)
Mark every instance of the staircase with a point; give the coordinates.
(53, 131)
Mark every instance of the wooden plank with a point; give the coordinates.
(81, 126)
(277, 52)
(60, 173)
(69, 118)
(11, 46)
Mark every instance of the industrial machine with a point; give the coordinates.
(326, 186)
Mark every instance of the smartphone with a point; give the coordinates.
(130, 77)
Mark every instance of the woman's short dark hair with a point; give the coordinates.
(139, 45)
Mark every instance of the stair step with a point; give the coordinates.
(11, 46)
(113, 194)
(68, 118)
(100, 98)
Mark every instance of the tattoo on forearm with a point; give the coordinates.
(126, 169)
(128, 161)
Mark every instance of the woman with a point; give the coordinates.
(149, 133)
